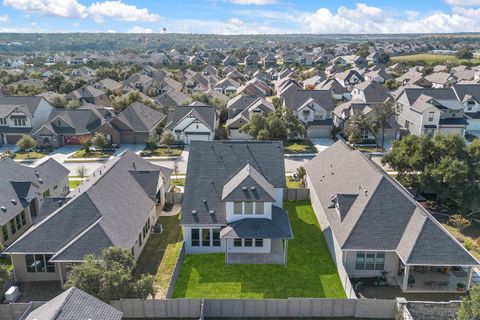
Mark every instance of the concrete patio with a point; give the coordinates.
(276, 256)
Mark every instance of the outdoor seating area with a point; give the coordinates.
(428, 279)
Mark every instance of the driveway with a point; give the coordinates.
(136, 148)
(322, 143)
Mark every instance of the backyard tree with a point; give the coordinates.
(26, 143)
(99, 141)
(4, 272)
(110, 276)
(464, 54)
(82, 172)
(167, 138)
(278, 125)
(302, 175)
(470, 307)
(380, 116)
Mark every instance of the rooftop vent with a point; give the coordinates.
(14, 201)
(36, 173)
(194, 211)
(244, 188)
(212, 211)
(366, 192)
(59, 202)
(3, 209)
(252, 188)
(40, 180)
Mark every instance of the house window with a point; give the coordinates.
(248, 207)
(430, 116)
(195, 237)
(5, 232)
(216, 237)
(39, 263)
(205, 237)
(12, 226)
(22, 216)
(248, 242)
(258, 242)
(364, 134)
(370, 261)
(18, 222)
(19, 122)
(140, 239)
(3, 121)
(259, 208)
(237, 242)
(237, 208)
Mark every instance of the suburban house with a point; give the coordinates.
(21, 115)
(171, 98)
(428, 111)
(370, 92)
(441, 79)
(339, 92)
(349, 78)
(239, 103)
(116, 206)
(23, 191)
(133, 125)
(193, 123)
(314, 109)
(73, 304)
(259, 106)
(68, 127)
(469, 95)
(346, 110)
(374, 227)
(233, 201)
(90, 94)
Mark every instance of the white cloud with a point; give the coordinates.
(121, 11)
(253, 2)
(463, 2)
(138, 29)
(4, 18)
(60, 8)
(232, 26)
(73, 9)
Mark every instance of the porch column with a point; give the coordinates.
(469, 278)
(405, 278)
(285, 250)
(59, 266)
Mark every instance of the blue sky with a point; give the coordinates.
(240, 16)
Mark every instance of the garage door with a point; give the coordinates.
(197, 137)
(319, 132)
(13, 139)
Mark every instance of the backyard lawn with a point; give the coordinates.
(310, 271)
(178, 181)
(292, 184)
(430, 58)
(162, 152)
(161, 253)
(30, 155)
(299, 147)
(470, 234)
(92, 154)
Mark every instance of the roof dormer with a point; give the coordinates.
(248, 184)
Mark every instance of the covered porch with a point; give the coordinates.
(277, 255)
(452, 279)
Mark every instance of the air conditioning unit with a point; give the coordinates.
(12, 294)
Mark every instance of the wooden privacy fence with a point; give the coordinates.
(221, 308)
(296, 194)
(176, 272)
(17, 311)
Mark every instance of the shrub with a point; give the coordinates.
(458, 221)
(468, 244)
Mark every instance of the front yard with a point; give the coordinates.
(83, 154)
(161, 253)
(310, 271)
(23, 155)
(299, 147)
(162, 152)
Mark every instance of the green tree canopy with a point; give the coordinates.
(26, 142)
(110, 276)
(470, 307)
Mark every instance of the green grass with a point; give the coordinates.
(162, 152)
(92, 154)
(7, 261)
(431, 58)
(293, 184)
(310, 271)
(178, 181)
(369, 149)
(30, 155)
(299, 147)
(161, 254)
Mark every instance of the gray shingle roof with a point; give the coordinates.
(106, 201)
(75, 304)
(276, 228)
(296, 98)
(384, 216)
(140, 118)
(212, 164)
(204, 114)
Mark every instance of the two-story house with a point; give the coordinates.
(233, 202)
(21, 115)
(314, 109)
(429, 111)
(23, 192)
(193, 123)
(259, 106)
(469, 95)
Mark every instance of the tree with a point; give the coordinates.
(277, 103)
(99, 141)
(26, 143)
(82, 171)
(151, 142)
(464, 54)
(110, 276)
(58, 102)
(358, 123)
(470, 307)
(278, 125)
(459, 221)
(383, 58)
(391, 84)
(167, 138)
(380, 116)
(73, 104)
(302, 175)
